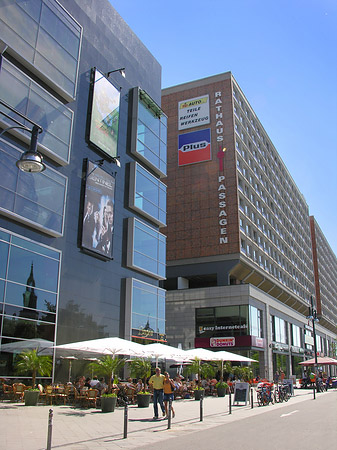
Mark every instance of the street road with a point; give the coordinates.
(309, 425)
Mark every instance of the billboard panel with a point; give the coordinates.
(98, 216)
(103, 131)
(193, 112)
(194, 147)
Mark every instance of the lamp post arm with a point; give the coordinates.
(21, 115)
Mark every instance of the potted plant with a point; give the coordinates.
(108, 367)
(141, 368)
(31, 396)
(203, 370)
(108, 402)
(221, 388)
(29, 361)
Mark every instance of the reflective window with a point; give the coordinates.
(148, 310)
(47, 37)
(27, 196)
(146, 249)
(147, 194)
(151, 136)
(279, 330)
(29, 282)
(255, 317)
(23, 94)
(222, 321)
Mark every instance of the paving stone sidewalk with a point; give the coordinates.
(26, 427)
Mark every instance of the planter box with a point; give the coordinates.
(198, 393)
(108, 404)
(31, 398)
(221, 391)
(143, 400)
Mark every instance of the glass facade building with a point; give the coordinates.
(53, 289)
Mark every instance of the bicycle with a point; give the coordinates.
(265, 394)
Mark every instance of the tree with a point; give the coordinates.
(203, 370)
(30, 361)
(108, 366)
(140, 368)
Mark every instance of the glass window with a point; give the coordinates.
(296, 335)
(27, 196)
(148, 310)
(147, 194)
(29, 281)
(146, 249)
(280, 331)
(255, 316)
(151, 135)
(48, 39)
(23, 94)
(222, 321)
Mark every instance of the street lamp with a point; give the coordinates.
(30, 161)
(121, 71)
(313, 317)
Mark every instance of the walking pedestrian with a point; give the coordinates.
(168, 393)
(157, 383)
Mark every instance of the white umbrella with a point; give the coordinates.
(42, 346)
(105, 346)
(200, 353)
(158, 350)
(228, 356)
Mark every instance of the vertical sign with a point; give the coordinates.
(98, 216)
(103, 132)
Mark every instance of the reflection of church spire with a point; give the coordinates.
(29, 296)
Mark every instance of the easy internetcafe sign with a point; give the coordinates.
(193, 112)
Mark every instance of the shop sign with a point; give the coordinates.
(295, 349)
(194, 147)
(222, 342)
(308, 339)
(193, 112)
(281, 347)
(257, 342)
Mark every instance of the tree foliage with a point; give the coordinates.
(108, 367)
(140, 368)
(29, 361)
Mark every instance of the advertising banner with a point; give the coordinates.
(98, 217)
(103, 132)
(222, 342)
(194, 147)
(193, 112)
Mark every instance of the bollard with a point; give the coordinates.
(201, 407)
(314, 391)
(169, 414)
(251, 398)
(230, 402)
(125, 421)
(50, 429)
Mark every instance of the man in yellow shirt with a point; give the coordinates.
(157, 383)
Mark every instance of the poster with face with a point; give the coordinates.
(98, 215)
(103, 132)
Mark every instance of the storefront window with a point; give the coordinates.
(279, 330)
(296, 336)
(255, 316)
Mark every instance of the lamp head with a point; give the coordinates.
(31, 162)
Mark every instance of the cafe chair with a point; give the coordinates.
(18, 391)
(91, 397)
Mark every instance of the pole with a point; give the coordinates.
(169, 414)
(230, 402)
(251, 398)
(50, 429)
(201, 407)
(314, 317)
(125, 435)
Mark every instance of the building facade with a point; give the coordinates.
(240, 270)
(82, 252)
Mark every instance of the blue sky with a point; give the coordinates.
(282, 53)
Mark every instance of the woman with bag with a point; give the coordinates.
(168, 393)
